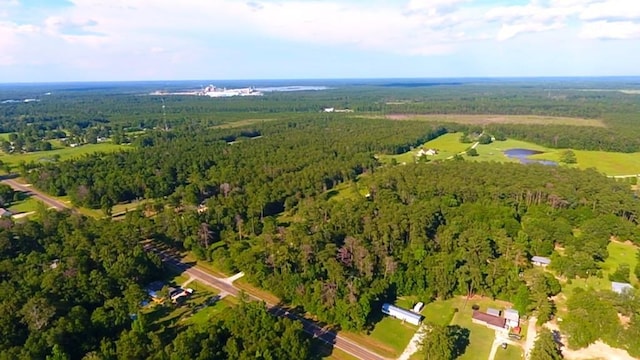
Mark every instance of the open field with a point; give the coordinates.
(447, 146)
(24, 206)
(499, 119)
(510, 353)
(609, 163)
(242, 123)
(619, 253)
(389, 337)
(64, 153)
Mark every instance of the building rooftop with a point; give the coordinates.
(388, 308)
(541, 259)
(620, 287)
(489, 319)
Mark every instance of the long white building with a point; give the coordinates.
(402, 314)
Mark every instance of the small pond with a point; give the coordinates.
(523, 156)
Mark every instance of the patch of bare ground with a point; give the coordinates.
(500, 119)
(597, 350)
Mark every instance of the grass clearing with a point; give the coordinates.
(609, 163)
(389, 337)
(64, 153)
(25, 205)
(619, 253)
(394, 333)
(500, 119)
(447, 145)
(242, 123)
(510, 353)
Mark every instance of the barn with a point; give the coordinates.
(402, 314)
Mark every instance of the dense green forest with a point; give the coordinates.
(299, 202)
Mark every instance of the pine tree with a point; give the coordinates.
(545, 347)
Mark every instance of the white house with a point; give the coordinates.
(493, 312)
(329, 109)
(428, 152)
(402, 314)
(620, 288)
(513, 317)
(540, 261)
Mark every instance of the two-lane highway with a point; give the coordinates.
(206, 278)
(58, 205)
(309, 327)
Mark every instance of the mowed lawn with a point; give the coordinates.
(389, 337)
(458, 311)
(610, 163)
(64, 153)
(447, 146)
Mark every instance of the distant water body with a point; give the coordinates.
(523, 156)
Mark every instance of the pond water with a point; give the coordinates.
(523, 156)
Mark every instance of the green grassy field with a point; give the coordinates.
(480, 337)
(619, 253)
(494, 151)
(510, 353)
(24, 206)
(393, 333)
(64, 153)
(447, 146)
(609, 163)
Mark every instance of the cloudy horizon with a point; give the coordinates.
(98, 40)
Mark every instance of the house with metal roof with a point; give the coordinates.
(402, 314)
(513, 317)
(490, 321)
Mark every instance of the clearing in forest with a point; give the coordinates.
(499, 119)
(61, 154)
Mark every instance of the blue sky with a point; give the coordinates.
(87, 40)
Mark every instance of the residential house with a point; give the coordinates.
(513, 318)
(5, 213)
(490, 321)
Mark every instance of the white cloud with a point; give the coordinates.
(612, 10)
(616, 30)
(510, 31)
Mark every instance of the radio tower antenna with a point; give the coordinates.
(164, 115)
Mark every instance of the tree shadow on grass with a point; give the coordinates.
(460, 337)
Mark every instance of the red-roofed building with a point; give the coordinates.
(490, 321)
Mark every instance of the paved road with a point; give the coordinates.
(58, 205)
(309, 327)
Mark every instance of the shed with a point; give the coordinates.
(540, 261)
(620, 288)
(402, 314)
(418, 307)
(494, 312)
(513, 317)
